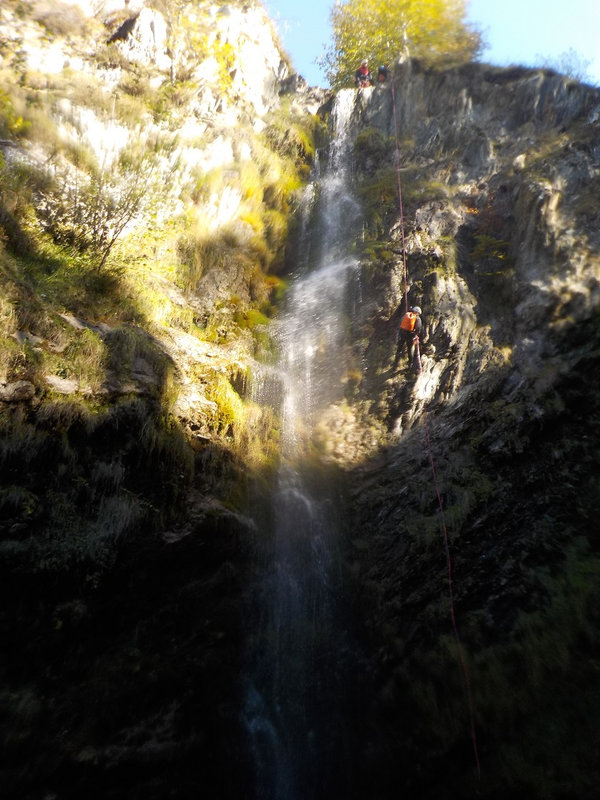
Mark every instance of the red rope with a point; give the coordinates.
(400, 202)
(417, 359)
(461, 652)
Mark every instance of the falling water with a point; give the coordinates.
(293, 682)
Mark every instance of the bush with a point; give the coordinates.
(60, 19)
(11, 121)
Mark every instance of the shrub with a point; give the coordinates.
(60, 19)
(135, 84)
(92, 213)
(11, 120)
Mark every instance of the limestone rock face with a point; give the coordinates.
(495, 439)
(255, 63)
(17, 391)
(496, 166)
(240, 43)
(260, 66)
(224, 61)
(145, 39)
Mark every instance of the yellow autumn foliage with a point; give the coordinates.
(435, 31)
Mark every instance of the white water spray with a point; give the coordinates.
(295, 658)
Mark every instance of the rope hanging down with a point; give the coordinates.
(461, 652)
(400, 203)
(444, 530)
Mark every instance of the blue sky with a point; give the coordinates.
(528, 32)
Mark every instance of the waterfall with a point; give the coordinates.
(293, 682)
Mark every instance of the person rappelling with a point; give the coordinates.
(409, 331)
(382, 74)
(362, 76)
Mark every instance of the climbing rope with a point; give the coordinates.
(400, 203)
(461, 653)
(444, 529)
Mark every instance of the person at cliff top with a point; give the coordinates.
(362, 76)
(382, 74)
(409, 331)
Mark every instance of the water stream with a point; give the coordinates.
(295, 685)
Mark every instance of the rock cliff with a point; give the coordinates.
(499, 170)
(131, 453)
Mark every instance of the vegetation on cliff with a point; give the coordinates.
(145, 209)
(129, 203)
(435, 31)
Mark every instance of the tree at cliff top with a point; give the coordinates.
(381, 30)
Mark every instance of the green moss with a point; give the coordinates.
(491, 251)
(276, 228)
(253, 317)
(377, 251)
(372, 150)
(231, 407)
(224, 52)
(378, 195)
